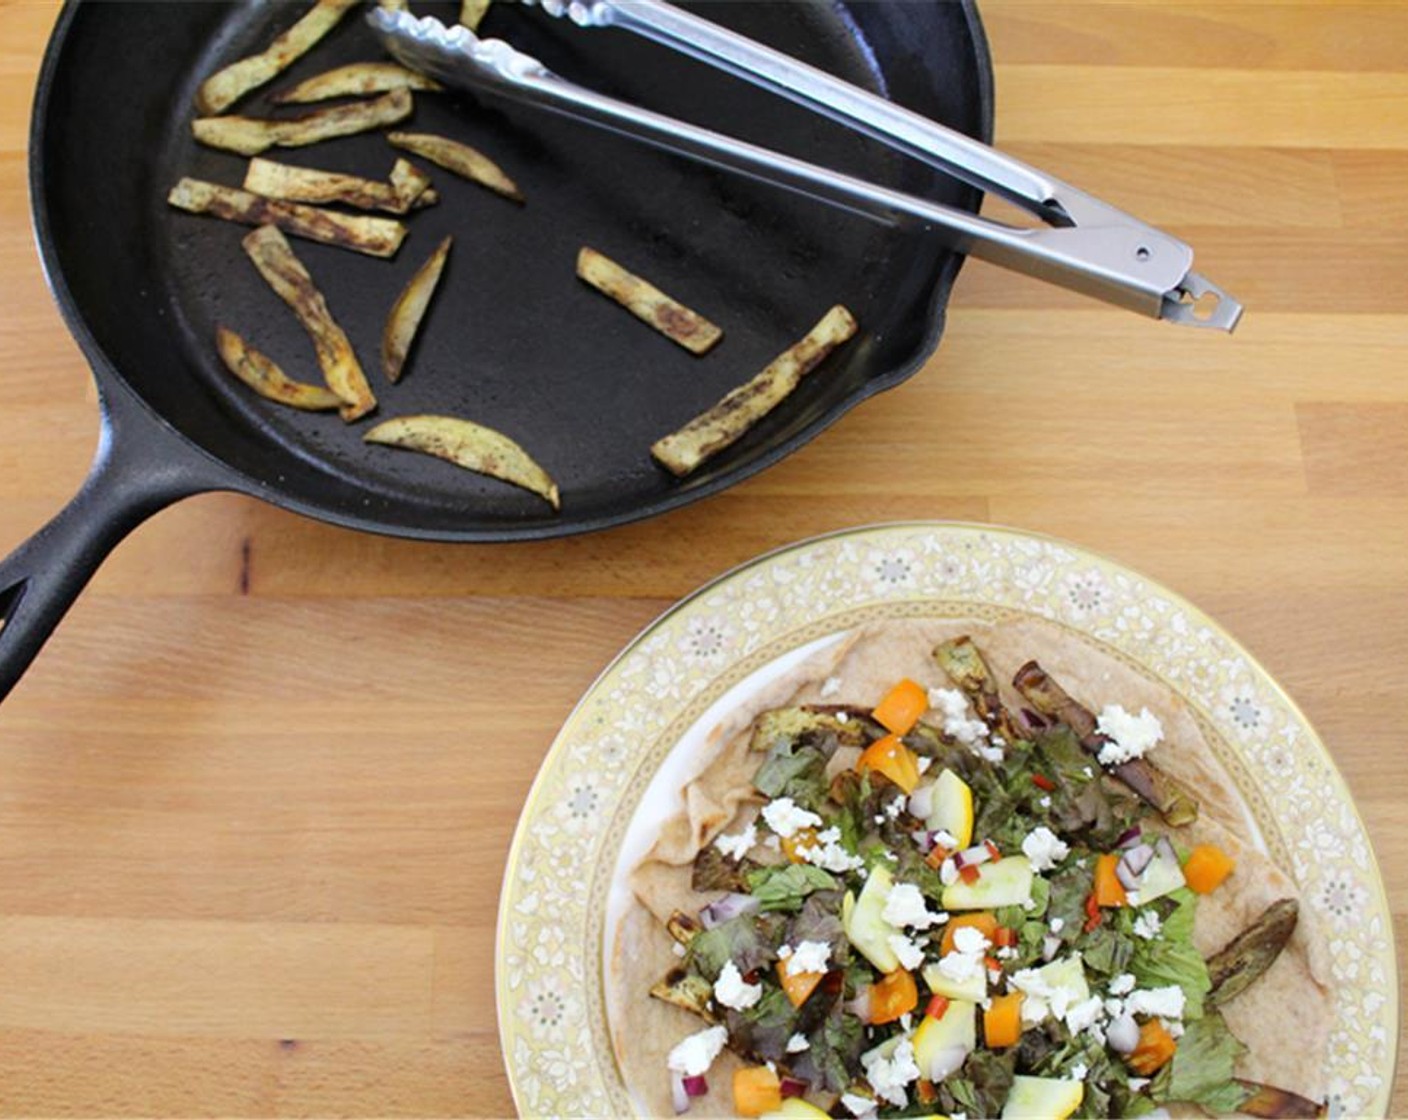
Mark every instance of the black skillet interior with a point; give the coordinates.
(513, 340)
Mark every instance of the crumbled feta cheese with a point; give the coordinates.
(830, 687)
(966, 939)
(731, 991)
(953, 706)
(889, 1076)
(785, 817)
(828, 854)
(879, 818)
(1122, 984)
(905, 906)
(1044, 802)
(1058, 924)
(737, 845)
(857, 1105)
(1137, 1083)
(1087, 771)
(1174, 1029)
(895, 807)
(910, 955)
(1167, 1003)
(808, 956)
(1044, 848)
(842, 718)
(1077, 1072)
(1007, 954)
(1029, 904)
(1148, 925)
(922, 763)
(948, 872)
(1084, 1014)
(678, 949)
(906, 1021)
(988, 754)
(1042, 998)
(959, 967)
(694, 1055)
(1130, 736)
(797, 1043)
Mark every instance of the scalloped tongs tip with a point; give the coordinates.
(1085, 244)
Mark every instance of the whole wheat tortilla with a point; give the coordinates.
(720, 797)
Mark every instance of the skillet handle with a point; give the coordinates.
(141, 466)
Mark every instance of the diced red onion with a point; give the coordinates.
(1050, 946)
(1123, 1034)
(970, 857)
(696, 1086)
(945, 1062)
(677, 1092)
(1132, 865)
(1129, 837)
(727, 908)
(793, 1087)
(860, 1005)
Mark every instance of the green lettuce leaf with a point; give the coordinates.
(980, 1088)
(749, 940)
(1202, 1066)
(795, 772)
(786, 886)
(1171, 958)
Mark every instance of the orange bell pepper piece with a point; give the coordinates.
(895, 995)
(756, 1090)
(980, 920)
(1002, 1021)
(893, 759)
(1109, 891)
(1207, 867)
(901, 707)
(798, 985)
(1155, 1049)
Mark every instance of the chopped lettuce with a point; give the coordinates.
(1202, 1067)
(1172, 958)
(764, 1028)
(980, 1088)
(834, 1051)
(793, 771)
(786, 886)
(749, 940)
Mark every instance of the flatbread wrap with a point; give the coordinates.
(987, 907)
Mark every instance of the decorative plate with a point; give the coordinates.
(588, 816)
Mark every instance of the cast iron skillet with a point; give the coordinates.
(513, 340)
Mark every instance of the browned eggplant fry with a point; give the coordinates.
(472, 12)
(1175, 804)
(226, 86)
(408, 311)
(719, 427)
(412, 185)
(460, 159)
(306, 184)
(261, 374)
(1245, 959)
(964, 664)
(357, 79)
(469, 445)
(1277, 1104)
(251, 135)
(648, 303)
(274, 258)
(685, 989)
(377, 237)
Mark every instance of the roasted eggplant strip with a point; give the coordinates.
(408, 310)
(1277, 1104)
(468, 445)
(464, 161)
(1244, 959)
(412, 185)
(1174, 803)
(358, 79)
(851, 726)
(251, 135)
(726, 422)
(306, 184)
(683, 928)
(646, 302)
(687, 990)
(223, 88)
(377, 237)
(472, 12)
(262, 375)
(276, 262)
(964, 664)
(714, 871)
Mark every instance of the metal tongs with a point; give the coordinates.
(1085, 244)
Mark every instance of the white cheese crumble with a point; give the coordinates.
(1166, 1003)
(1137, 1083)
(677, 949)
(959, 967)
(1148, 925)
(797, 1043)
(953, 706)
(906, 1021)
(1122, 984)
(1044, 848)
(922, 763)
(828, 854)
(895, 807)
(1130, 736)
(694, 1055)
(785, 817)
(857, 1105)
(910, 955)
(905, 906)
(731, 991)
(1085, 1014)
(1058, 924)
(808, 956)
(738, 844)
(842, 718)
(1045, 802)
(966, 939)
(889, 1076)
(1078, 1072)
